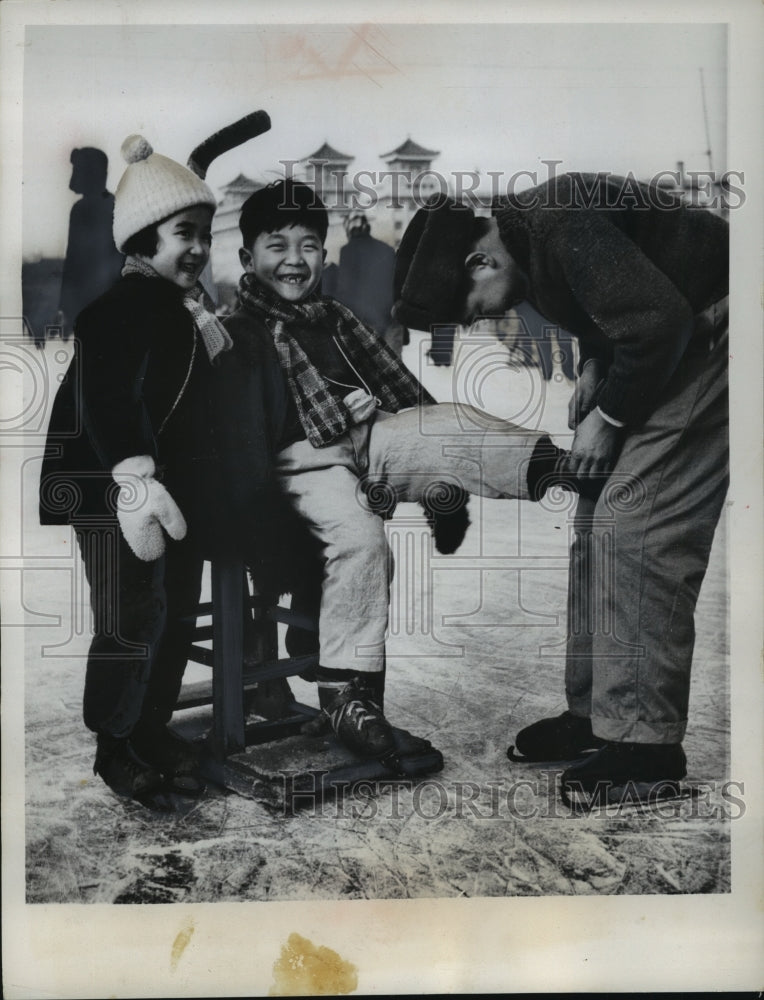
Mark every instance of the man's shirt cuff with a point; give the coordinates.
(610, 420)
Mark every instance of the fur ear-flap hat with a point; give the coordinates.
(152, 188)
(429, 266)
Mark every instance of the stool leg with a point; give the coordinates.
(228, 653)
(271, 699)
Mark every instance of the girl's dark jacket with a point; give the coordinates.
(141, 383)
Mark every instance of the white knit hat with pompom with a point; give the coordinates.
(152, 188)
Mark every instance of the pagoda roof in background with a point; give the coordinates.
(327, 152)
(410, 150)
(244, 183)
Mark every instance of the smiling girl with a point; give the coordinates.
(131, 457)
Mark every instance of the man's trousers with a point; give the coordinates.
(640, 553)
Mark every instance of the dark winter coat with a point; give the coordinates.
(135, 353)
(623, 267)
(141, 383)
(251, 407)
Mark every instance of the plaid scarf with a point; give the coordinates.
(214, 335)
(324, 417)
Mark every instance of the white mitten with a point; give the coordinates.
(360, 405)
(144, 507)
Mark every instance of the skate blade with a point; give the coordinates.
(636, 796)
(518, 758)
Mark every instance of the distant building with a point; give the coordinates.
(391, 195)
(326, 171)
(226, 237)
(409, 182)
(327, 174)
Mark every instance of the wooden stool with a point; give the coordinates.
(293, 772)
(236, 671)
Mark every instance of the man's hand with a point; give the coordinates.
(584, 395)
(596, 444)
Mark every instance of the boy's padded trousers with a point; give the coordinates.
(406, 453)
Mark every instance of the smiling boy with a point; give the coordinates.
(130, 464)
(641, 280)
(288, 262)
(349, 419)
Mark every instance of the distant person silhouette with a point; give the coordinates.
(364, 281)
(552, 343)
(329, 280)
(442, 339)
(92, 263)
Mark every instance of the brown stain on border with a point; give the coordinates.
(180, 943)
(304, 969)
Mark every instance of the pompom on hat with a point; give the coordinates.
(429, 265)
(153, 187)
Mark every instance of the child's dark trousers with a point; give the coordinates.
(140, 646)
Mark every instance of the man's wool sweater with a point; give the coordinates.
(625, 268)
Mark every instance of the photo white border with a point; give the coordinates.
(636, 943)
